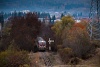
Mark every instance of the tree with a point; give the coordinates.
(23, 30)
(53, 18)
(62, 15)
(72, 36)
(2, 19)
(67, 21)
(78, 40)
(14, 14)
(59, 26)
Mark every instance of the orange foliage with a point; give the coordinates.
(76, 26)
(79, 25)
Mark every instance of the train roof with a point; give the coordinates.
(40, 39)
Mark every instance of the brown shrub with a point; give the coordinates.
(13, 58)
(59, 47)
(65, 54)
(78, 40)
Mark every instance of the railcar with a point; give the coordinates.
(40, 43)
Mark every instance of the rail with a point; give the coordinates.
(47, 60)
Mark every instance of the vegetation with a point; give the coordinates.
(18, 38)
(13, 57)
(59, 26)
(73, 39)
(99, 59)
(46, 32)
(23, 30)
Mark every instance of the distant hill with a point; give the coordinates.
(45, 5)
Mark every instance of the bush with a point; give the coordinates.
(3, 60)
(59, 47)
(66, 54)
(96, 43)
(98, 57)
(79, 42)
(13, 58)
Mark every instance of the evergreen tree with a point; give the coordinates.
(62, 15)
(2, 19)
(53, 18)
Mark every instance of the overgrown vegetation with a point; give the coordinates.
(99, 59)
(18, 39)
(23, 30)
(12, 57)
(73, 40)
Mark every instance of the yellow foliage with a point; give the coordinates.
(59, 26)
(67, 21)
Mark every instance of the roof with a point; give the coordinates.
(40, 39)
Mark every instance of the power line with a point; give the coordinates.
(94, 25)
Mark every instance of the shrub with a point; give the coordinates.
(96, 43)
(78, 40)
(59, 47)
(99, 59)
(66, 54)
(13, 58)
(3, 61)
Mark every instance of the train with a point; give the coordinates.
(40, 43)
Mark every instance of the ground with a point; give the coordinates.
(93, 61)
(37, 61)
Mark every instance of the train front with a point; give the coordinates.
(42, 45)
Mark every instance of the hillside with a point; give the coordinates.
(47, 5)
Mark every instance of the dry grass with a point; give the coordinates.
(93, 61)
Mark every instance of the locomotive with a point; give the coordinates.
(40, 43)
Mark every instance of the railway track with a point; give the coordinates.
(47, 60)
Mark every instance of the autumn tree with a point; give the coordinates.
(66, 21)
(73, 37)
(23, 30)
(78, 40)
(59, 26)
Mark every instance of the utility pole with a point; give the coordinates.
(94, 24)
